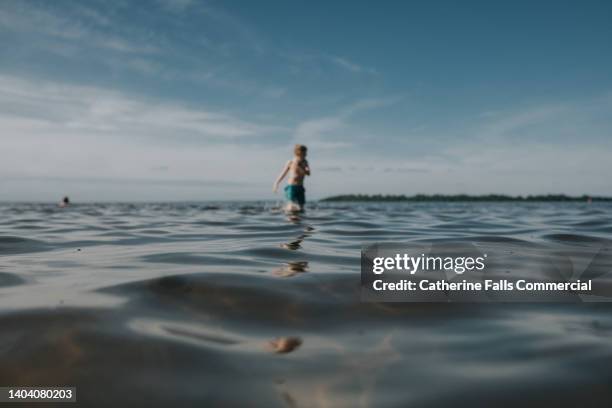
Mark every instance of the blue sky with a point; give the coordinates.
(203, 100)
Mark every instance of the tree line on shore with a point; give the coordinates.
(463, 197)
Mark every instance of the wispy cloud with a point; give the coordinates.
(89, 110)
(194, 42)
(323, 132)
(550, 122)
(173, 53)
(352, 66)
(320, 62)
(30, 20)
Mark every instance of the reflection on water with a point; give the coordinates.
(291, 269)
(295, 244)
(285, 345)
(187, 304)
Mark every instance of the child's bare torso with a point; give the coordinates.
(297, 171)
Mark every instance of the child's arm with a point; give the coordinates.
(281, 176)
(306, 168)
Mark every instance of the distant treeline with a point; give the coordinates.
(463, 197)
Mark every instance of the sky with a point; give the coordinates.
(166, 100)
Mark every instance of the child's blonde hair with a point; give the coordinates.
(300, 150)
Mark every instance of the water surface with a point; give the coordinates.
(236, 304)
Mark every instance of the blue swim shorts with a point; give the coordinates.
(295, 193)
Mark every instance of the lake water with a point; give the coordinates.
(236, 304)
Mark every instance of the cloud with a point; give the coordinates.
(301, 62)
(70, 109)
(96, 143)
(313, 130)
(323, 132)
(72, 137)
(191, 42)
(558, 122)
(29, 19)
(351, 66)
(197, 51)
(557, 147)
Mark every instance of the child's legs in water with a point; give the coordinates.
(296, 197)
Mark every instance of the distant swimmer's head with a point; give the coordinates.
(300, 151)
(65, 202)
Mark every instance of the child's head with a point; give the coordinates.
(300, 151)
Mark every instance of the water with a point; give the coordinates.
(235, 304)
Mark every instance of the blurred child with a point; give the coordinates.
(297, 168)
